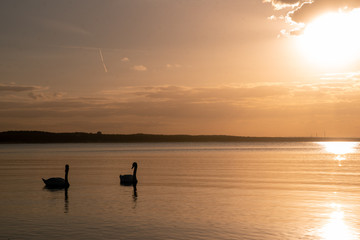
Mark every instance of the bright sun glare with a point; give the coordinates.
(336, 227)
(340, 149)
(332, 39)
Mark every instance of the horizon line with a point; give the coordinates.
(175, 134)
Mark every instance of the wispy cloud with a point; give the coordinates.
(172, 66)
(251, 109)
(341, 76)
(140, 68)
(46, 95)
(64, 26)
(18, 88)
(18, 93)
(125, 59)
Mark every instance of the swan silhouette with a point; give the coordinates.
(58, 182)
(129, 179)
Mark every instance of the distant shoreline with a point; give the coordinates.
(11, 137)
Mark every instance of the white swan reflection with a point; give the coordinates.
(340, 149)
(336, 227)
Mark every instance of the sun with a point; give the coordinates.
(332, 39)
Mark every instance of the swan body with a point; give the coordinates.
(58, 182)
(129, 179)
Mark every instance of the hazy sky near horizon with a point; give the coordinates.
(238, 67)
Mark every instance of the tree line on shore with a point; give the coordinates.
(81, 137)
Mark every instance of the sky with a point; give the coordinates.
(233, 67)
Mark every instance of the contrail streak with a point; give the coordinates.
(102, 60)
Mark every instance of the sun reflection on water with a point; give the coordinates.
(340, 149)
(336, 227)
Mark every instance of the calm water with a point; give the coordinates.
(185, 191)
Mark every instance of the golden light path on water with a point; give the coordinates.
(336, 227)
(340, 149)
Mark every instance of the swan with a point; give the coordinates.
(58, 182)
(129, 179)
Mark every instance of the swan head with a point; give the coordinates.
(134, 165)
(66, 168)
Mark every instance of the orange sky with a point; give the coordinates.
(245, 67)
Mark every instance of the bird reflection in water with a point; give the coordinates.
(134, 195)
(339, 149)
(66, 201)
(336, 227)
(135, 192)
(66, 196)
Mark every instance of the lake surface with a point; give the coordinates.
(185, 191)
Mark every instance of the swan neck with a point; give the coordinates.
(66, 176)
(134, 173)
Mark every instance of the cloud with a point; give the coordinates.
(281, 4)
(18, 93)
(45, 96)
(140, 68)
(209, 94)
(64, 26)
(308, 12)
(139, 109)
(172, 66)
(303, 11)
(355, 76)
(249, 109)
(125, 59)
(18, 88)
(36, 96)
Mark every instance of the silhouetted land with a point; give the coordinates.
(80, 137)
